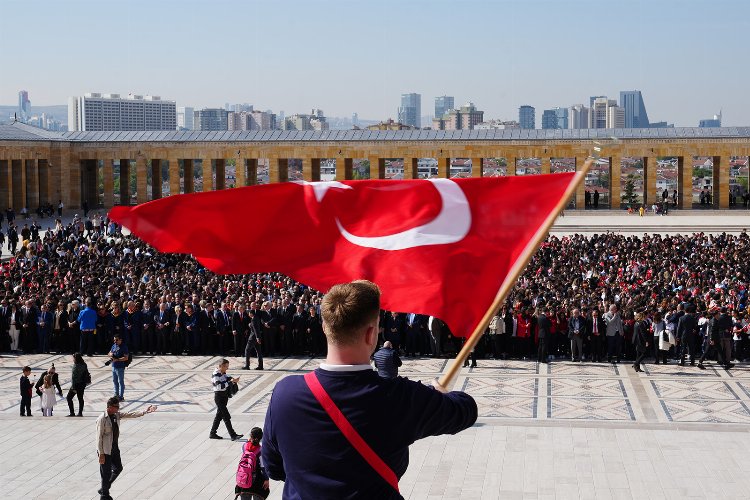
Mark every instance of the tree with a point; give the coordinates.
(628, 194)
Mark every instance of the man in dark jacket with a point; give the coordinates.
(544, 325)
(387, 361)
(714, 336)
(596, 330)
(687, 334)
(297, 423)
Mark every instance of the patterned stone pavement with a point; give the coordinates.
(562, 430)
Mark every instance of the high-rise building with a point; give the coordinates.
(527, 117)
(239, 108)
(410, 111)
(185, 117)
(210, 119)
(251, 120)
(578, 116)
(711, 122)
(594, 98)
(635, 109)
(615, 117)
(240, 120)
(556, 118)
(605, 113)
(24, 106)
(464, 118)
(98, 112)
(549, 119)
(442, 105)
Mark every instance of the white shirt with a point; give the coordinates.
(344, 368)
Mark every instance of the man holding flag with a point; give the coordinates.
(347, 414)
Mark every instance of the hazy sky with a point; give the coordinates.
(688, 57)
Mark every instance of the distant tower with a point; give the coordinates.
(443, 104)
(635, 110)
(526, 117)
(410, 111)
(24, 106)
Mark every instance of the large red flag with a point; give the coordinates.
(440, 247)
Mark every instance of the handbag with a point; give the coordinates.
(232, 389)
(665, 336)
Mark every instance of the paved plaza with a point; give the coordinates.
(557, 431)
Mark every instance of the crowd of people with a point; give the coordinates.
(83, 283)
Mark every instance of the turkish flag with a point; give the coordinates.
(440, 247)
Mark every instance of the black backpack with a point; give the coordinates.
(129, 360)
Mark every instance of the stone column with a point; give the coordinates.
(60, 173)
(209, 181)
(240, 172)
(477, 167)
(721, 180)
(311, 169)
(581, 191)
(344, 167)
(685, 182)
(278, 170)
(546, 166)
(19, 184)
(174, 175)
(124, 182)
(108, 172)
(615, 181)
(649, 180)
(377, 167)
(188, 175)
(156, 179)
(444, 168)
(141, 180)
(411, 168)
(32, 185)
(510, 165)
(44, 192)
(6, 184)
(252, 171)
(221, 174)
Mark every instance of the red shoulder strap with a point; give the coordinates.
(349, 432)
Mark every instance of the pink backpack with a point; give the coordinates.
(246, 467)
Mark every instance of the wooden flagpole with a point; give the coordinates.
(447, 379)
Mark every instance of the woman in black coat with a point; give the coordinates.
(315, 332)
(640, 340)
(79, 378)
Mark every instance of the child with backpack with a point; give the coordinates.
(251, 479)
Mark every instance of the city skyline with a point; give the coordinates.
(352, 68)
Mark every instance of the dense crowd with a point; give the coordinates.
(163, 303)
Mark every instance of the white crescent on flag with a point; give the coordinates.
(451, 225)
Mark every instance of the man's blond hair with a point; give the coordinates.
(347, 308)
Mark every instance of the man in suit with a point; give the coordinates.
(223, 326)
(393, 328)
(413, 334)
(240, 328)
(29, 318)
(299, 325)
(596, 330)
(147, 327)
(207, 328)
(269, 325)
(435, 327)
(284, 314)
(544, 325)
(576, 330)
(615, 331)
(133, 324)
(687, 333)
(162, 324)
(43, 329)
(254, 344)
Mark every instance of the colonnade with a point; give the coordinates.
(79, 172)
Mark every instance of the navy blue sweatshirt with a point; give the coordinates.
(303, 447)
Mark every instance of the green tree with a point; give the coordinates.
(628, 192)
